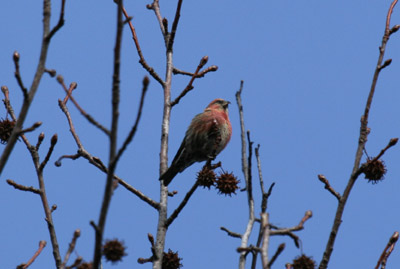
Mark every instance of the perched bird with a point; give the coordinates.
(207, 135)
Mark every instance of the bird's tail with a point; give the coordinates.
(169, 175)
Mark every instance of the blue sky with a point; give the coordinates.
(307, 68)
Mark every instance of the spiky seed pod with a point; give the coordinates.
(171, 260)
(114, 250)
(85, 265)
(6, 128)
(227, 183)
(374, 170)
(206, 177)
(304, 262)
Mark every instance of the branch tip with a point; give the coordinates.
(393, 141)
(16, 56)
(203, 61)
(386, 64)
(394, 29)
(54, 139)
(60, 79)
(51, 72)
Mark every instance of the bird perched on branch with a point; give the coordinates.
(207, 135)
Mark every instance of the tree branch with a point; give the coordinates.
(361, 145)
(246, 168)
(60, 80)
(230, 233)
(142, 61)
(108, 190)
(182, 204)
(190, 87)
(387, 251)
(323, 179)
(46, 38)
(71, 247)
(138, 116)
(22, 187)
(42, 245)
(17, 74)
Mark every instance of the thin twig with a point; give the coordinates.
(96, 161)
(35, 84)
(138, 116)
(53, 143)
(190, 87)
(72, 87)
(71, 125)
(298, 227)
(182, 204)
(40, 140)
(71, 247)
(88, 117)
(142, 61)
(108, 190)
(42, 245)
(387, 251)
(279, 250)
(230, 233)
(361, 145)
(323, 179)
(163, 22)
(391, 143)
(60, 23)
(171, 38)
(17, 74)
(22, 187)
(201, 74)
(32, 128)
(246, 168)
(33, 150)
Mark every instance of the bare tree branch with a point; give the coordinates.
(265, 239)
(108, 190)
(71, 247)
(17, 74)
(171, 38)
(391, 143)
(230, 233)
(33, 150)
(201, 74)
(279, 250)
(53, 143)
(361, 145)
(22, 187)
(323, 179)
(60, 23)
(96, 161)
(60, 80)
(46, 38)
(142, 61)
(182, 204)
(246, 168)
(42, 245)
(134, 128)
(32, 128)
(387, 251)
(190, 86)
(298, 227)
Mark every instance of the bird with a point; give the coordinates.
(207, 135)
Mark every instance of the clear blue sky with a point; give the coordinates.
(307, 67)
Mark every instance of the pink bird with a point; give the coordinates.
(207, 135)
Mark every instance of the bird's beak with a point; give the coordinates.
(226, 104)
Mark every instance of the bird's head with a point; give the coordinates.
(219, 104)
